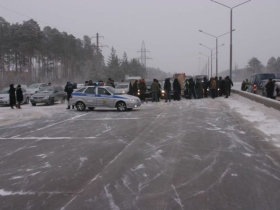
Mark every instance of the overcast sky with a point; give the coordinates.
(170, 29)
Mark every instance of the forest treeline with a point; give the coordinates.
(254, 65)
(29, 54)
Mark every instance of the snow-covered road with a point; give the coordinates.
(191, 154)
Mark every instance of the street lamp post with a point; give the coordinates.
(231, 8)
(211, 49)
(216, 37)
(208, 56)
(204, 62)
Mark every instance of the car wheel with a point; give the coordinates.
(121, 106)
(80, 106)
(33, 104)
(91, 108)
(63, 100)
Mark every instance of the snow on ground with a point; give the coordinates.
(28, 112)
(264, 119)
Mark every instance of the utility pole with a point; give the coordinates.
(98, 62)
(144, 57)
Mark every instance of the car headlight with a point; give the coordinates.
(162, 91)
(46, 97)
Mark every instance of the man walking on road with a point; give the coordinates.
(69, 90)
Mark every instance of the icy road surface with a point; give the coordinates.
(191, 154)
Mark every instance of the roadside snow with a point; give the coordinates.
(28, 112)
(265, 119)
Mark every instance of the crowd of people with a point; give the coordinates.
(199, 88)
(193, 89)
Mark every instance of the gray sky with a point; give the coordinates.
(169, 28)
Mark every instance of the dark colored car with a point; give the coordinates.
(255, 82)
(148, 93)
(48, 95)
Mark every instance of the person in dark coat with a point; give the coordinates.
(12, 96)
(177, 90)
(205, 87)
(19, 96)
(198, 88)
(226, 86)
(192, 89)
(135, 88)
(154, 90)
(269, 88)
(69, 90)
(167, 89)
(142, 88)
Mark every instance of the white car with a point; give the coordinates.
(103, 96)
(34, 88)
(5, 99)
(122, 88)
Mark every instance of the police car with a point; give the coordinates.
(103, 96)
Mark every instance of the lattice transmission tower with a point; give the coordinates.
(143, 57)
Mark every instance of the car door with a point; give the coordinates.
(54, 94)
(103, 98)
(61, 93)
(90, 97)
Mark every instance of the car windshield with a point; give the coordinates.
(122, 86)
(149, 82)
(34, 86)
(46, 90)
(4, 91)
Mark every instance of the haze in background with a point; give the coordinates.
(169, 28)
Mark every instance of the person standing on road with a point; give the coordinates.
(142, 88)
(12, 96)
(269, 88)
(167, 89)
(19, 96)
(226, 86)
(205, 87)
(213, 87)
(177, 90)
(135, 88)
(154, 90)
(192, 89)
(69, 90)
(198, 88)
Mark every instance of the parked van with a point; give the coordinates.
(255, 82)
